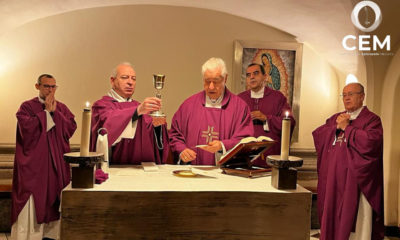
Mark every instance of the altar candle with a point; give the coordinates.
(285, 140)
(85, 134)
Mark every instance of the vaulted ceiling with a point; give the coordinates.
(321, 24)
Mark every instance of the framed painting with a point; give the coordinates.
(282, 64)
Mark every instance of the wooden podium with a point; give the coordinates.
(239, 161)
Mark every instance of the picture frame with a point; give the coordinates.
(282, 62)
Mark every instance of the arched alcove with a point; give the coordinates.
(391, 153)
(395, 152)
(81, 47)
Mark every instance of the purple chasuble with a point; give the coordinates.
(194, 124)
(39, 167)
(349, 162)
(273, 105)
(114, 116)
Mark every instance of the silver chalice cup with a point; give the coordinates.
(158, 81)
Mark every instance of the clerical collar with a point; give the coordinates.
(41, 100)
(217, 103)
(112, 93)
(258, 94)
(354, 115)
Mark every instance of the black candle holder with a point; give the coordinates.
(83, 176)
(284, 174)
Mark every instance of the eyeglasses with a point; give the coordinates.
(350, 94)
(49, 86)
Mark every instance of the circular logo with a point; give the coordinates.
(356, 11)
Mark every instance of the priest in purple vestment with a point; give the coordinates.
(44, 128)
(268, 108)
(132, 134)
(214, 118)
(350, 171)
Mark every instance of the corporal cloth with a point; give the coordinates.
(116, 117)
(39, 168)
(195, 124)
(349, 164)
(274, 105)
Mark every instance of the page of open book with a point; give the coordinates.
(248, 140)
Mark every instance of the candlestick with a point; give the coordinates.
(85, 134)
(285, 139)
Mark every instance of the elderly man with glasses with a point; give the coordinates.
(350, 171)
(214, 118)
(44, 128)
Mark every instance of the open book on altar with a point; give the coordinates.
(240, 158)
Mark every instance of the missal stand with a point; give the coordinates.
(83, 176)
(239, 161)
(284, 174)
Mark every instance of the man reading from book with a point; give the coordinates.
(214, 117)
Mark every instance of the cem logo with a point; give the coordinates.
(364, 41)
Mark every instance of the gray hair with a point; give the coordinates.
(114, 71)
(213, 64)
(44, 75)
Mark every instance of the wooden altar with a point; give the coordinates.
(133, 204)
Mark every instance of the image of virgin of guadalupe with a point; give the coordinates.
(272, 71)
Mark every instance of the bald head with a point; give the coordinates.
(356, 85)
(123, 80)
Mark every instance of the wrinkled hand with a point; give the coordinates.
(342, 121)
(149, 105)
(50, 103)
(213, 146)
(188, 155)
(158, 121)
(258, 115)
